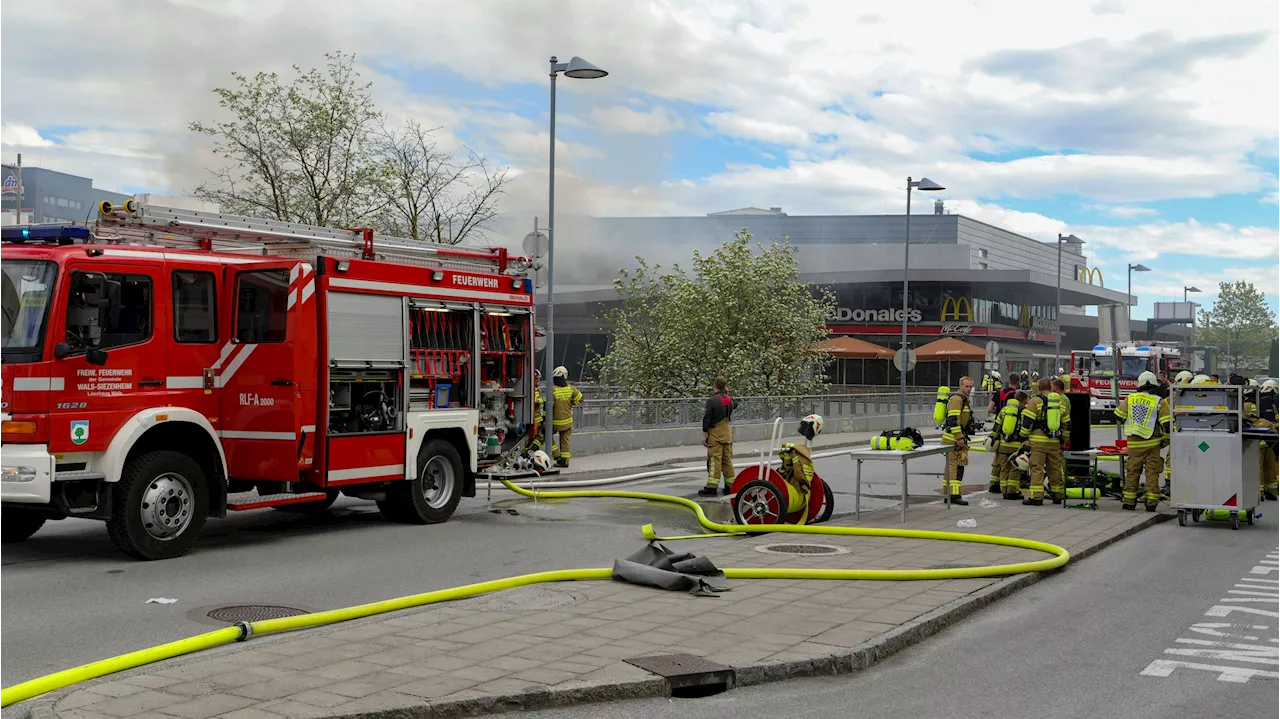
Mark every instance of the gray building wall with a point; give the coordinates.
(58, 196)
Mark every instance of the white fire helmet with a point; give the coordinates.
(1269, 386)
(1147, 378)
(1022, 460)
(541, 460)
(815, 422)
(1200, 379)
(1184, 377)
(995, 373)
(560, 371)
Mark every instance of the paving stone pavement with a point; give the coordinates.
(556, 644)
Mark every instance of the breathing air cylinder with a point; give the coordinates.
(1009, 426)
(940, 406)
(1053, 413)
(881, 442)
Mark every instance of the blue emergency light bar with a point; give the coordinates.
(1100, 348)
(51, 234)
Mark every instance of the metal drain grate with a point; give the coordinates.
(686, 674)
(252, 613)
(810, 550)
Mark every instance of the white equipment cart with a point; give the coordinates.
(1215, 460)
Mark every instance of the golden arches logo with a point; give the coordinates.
(1089, 274)
(956, 307)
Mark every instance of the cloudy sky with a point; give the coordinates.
(1149, 129)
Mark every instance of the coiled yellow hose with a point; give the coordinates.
(67, 677)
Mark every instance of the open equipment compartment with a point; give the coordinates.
(442, 337)
(506, 379)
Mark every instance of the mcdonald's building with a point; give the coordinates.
(968, 280)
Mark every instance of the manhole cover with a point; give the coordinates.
(813, 550)
(252, 613)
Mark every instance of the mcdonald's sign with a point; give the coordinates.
(1089, 274)
(959, 309)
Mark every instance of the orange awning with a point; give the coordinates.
(949, 348)
(853, 348)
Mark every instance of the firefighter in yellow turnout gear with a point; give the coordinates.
(1146, 426)
(1042, 427)
(1008, 440)
(955, 434)
(717, 437)
(539, 414)
(1267, 417)
(566, 398)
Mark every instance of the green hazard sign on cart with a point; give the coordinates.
(1203, 446)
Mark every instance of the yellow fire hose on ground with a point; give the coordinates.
(244, 630)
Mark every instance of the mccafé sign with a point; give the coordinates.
(845, 314)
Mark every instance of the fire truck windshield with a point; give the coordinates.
(27, 288)
(1130, 369)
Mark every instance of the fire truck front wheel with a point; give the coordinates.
(432, 496)
(159, 505)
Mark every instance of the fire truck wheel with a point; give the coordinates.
(431, 497)
(159, 506)
(17, 524)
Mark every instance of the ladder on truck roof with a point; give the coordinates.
(174, 227)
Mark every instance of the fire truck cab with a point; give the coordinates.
(1094, 369)
(165, 366)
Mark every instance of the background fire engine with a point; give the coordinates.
(1093, 371)
(174, 365)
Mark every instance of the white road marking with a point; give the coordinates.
(1252, 589)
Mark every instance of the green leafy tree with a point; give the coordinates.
(742, 313)
(318, 151)
(1240, 325)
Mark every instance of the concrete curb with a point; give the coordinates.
(573, 693)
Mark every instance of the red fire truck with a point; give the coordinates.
(1093, 370)
(163, 366)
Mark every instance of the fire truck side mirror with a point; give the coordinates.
(96, 357)
(62, 350)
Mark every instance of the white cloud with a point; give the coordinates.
(22, 136)
(1219, 240)
(620, 118)
(1164, 99)
(1123, 211)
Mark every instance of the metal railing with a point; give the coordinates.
(623, 414)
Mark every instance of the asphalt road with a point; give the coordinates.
(1088, 642)
(70, 598)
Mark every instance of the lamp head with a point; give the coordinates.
(582, 70)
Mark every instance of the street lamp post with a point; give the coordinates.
(924, 184)
(1191, 352)
(1057, 341)
(579, 69)
(1129, 292)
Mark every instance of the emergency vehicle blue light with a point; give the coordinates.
(1100, 348)
(1144, 349)
(528, 285)
(46, 233)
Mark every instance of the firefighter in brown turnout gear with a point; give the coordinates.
(1044, 428)
(955, 434)
(717, 437)
(1146, 426)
